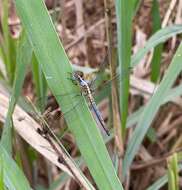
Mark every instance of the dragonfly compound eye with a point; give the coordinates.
(78, 74)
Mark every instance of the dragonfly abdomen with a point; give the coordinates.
(98, 114)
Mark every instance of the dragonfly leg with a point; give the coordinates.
(72, 80)
(42, 131)
(80, 94)
(61, 160)
(39, 130)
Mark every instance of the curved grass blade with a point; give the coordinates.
(171, 95)
(152, 108)
(159, 37)
(55, 65)
(12, 179)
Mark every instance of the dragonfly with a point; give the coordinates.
(86, 90)
(78, 78)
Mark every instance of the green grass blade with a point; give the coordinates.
(40, 84)
(9, 44)
(156, 59)
(1, 174)
(12, 175)
(56, 67)
(173, 178)
(5, 31)
(60, 182)
(151, 109)
(12, 53)
(23, 58)
(136, 6)
(161, 181)
(159, 37)
(171, 95)
(124, 23)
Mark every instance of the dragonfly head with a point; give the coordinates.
(78, 76)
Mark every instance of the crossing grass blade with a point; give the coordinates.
(56, 67)
(151, 109)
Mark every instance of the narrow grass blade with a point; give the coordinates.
(171, 95)
(12, 175)
(159, 37)
(56, 67)
(23, 59)
(40, 84)
(1, 174)
(157, 54)
(136, 6)
(8, 45)
(173, 178)
(124, 23)
(161, 181)
(152, 108)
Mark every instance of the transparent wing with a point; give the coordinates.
(52, 111)
(51, 102)
(105, 82)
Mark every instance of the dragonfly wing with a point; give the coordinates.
(52, 111)
(51, 99)
(119, 78)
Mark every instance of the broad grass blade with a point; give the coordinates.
(55, 65)
(12, 179)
